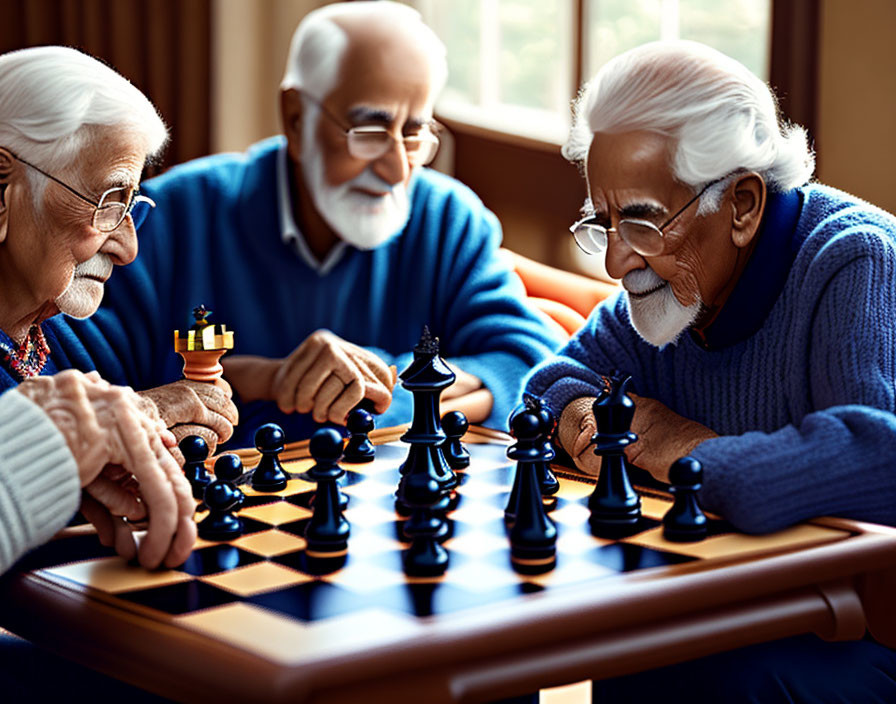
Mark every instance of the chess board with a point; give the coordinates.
(256, 618)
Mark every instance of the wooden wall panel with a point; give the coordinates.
(162, 46)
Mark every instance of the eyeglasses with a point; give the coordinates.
(369, 142)
(114, 205)
(644, 237)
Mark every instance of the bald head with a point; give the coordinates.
(383, 38)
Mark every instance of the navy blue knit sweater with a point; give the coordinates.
(803, 404)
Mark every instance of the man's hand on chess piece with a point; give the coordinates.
(328, 376)
(325, 376)
(468, 395)
(663, 437)
(574, 432)
(124, 464)
(195, 408)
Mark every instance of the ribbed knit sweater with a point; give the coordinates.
(215, 238)
(39, 486)
(803, 406)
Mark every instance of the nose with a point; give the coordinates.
(122, 243)
(621, 258)
(393, 166)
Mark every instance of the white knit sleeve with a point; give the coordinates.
(39, 483)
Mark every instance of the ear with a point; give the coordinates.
(7, 164)
(291, 112)
(748, 204)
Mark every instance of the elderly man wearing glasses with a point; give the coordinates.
(327, 250)
(74, 136)
(756, 322)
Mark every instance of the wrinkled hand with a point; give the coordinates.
(112, 503)
(663, 437)
(468, 395)
(105, 425)
(195, 408)
(327, 377)
(576, 426)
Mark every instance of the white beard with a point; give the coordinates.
(84, 293)
(361, 220)
(658, 317)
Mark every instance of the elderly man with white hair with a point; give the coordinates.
(74, 137)
(756, 322)
(329, 248)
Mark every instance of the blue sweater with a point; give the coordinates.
(215, 238)
(803, 400)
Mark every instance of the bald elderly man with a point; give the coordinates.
(756, 323)
(328, 249)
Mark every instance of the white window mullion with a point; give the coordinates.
(490, 53)
(669, 20)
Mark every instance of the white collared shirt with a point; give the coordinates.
(289, 230)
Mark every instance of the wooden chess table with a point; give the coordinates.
(254, 619)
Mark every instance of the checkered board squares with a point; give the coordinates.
(263, 589)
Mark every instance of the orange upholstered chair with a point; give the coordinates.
(565, 297)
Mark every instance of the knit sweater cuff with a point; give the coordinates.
(39, 482)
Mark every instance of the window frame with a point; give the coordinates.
(793, 71)
(536, 193)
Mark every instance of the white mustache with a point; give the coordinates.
(371, 182)
(641, 280)
(98, 266)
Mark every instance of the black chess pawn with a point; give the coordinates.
(455, 426)
(533, 538)
(685, 522)
(521, 426)
(327, 531)
(268, 474)
(359, 448)
(195, 452)
(223, 498)
(421, 493)
(546, 479)
(229, 467)
(615, 505)
(538, 448)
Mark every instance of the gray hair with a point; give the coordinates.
(720, 117)
(53, 97)
(318, 45)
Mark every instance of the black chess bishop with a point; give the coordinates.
(615, 505)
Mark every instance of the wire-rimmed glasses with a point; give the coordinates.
(369, 142)
(113, 206)
(643, 236)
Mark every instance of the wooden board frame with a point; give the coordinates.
(625, 623)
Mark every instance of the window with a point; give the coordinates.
(514, 65)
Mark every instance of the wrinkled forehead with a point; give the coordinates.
(637, 162)
(111, 156)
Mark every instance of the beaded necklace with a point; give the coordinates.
(28, 359)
